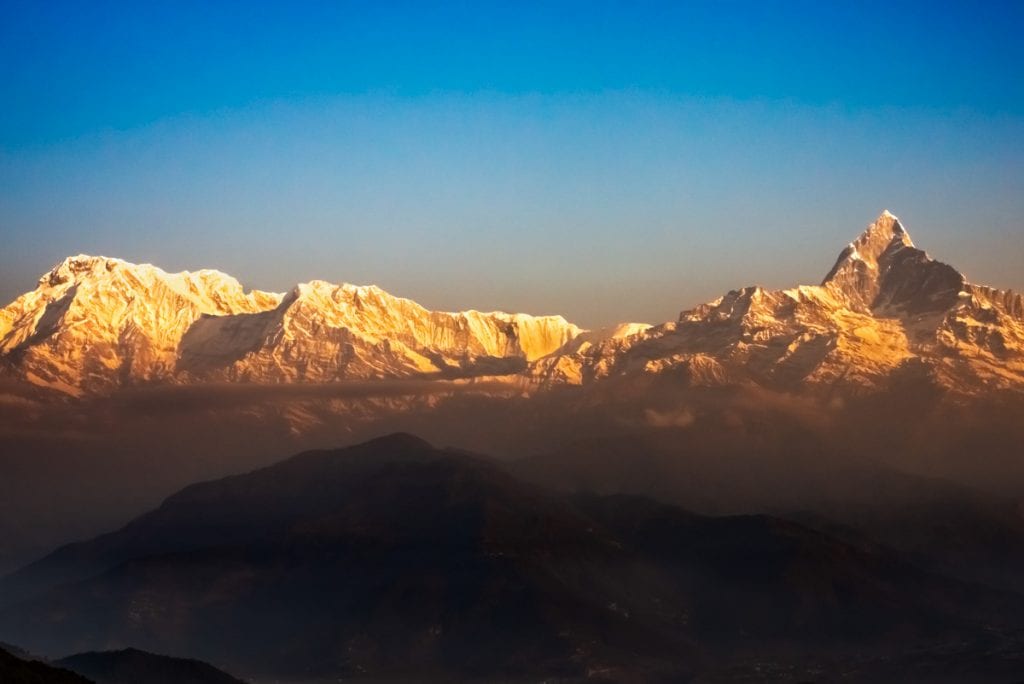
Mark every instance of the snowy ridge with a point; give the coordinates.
(95, 323)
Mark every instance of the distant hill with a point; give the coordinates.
(942, 525)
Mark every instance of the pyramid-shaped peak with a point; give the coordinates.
(877, 236)
(870, 245)
(856, 271)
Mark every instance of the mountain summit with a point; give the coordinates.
(882, 268)
(857, 270)
(885, 311)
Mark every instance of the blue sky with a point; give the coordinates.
(608, 161)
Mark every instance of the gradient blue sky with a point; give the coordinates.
(607, 161)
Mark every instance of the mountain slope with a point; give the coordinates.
(942, 525)
(393, 558)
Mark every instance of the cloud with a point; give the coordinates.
(228, 395)
(679, 418)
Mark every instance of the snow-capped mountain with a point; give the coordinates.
(885, 312)
(95, 324)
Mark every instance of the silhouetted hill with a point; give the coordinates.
(395, 559)
(132, 666)
(16, 670)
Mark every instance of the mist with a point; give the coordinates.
(80, 467)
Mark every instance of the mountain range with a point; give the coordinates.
(886, 313)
